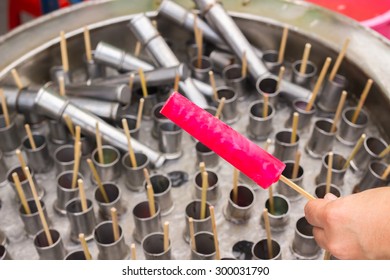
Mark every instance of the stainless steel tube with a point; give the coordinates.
(102, 109)
(119, 59)
(55, 106)
(162, 55)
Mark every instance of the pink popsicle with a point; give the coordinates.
(236, 149)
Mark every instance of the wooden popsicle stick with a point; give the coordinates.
(215, 233)
(329, 172)
(137, 49)
(386, 173)
(213, 85)
(192, 233)
(133, 252)
(338, 111)
(76, 166)
(295, 170)
(115, 224)
(150, 193)
(384, 152)
(200, 48)
(244, 67)
(305, 58)
(205, 186)
(339, 60)
(4, 107)
(83, 198)
(362, 100)
(21, 194)
(131, 82)
(176, 83)
(270, 189)
(195, 27)
(202, 167)
(267, 144)
(139, 114)
(129, 146)
(99, 144)
(98, 181)
(236, 172)
(147, 177)
(283, 44)
(16, 77)
(21, 159)
(61, 84)
(318, 84)
(87, 44)
(269, 235)
(355, 150)
(297, 188)
(220, 107)
(265, 105)
(84, 245)
(39, 207)
(327, 256)
(64, 52)
(280, 77)
(69, 124)
(143, 82)
(166, 236)
(77, 134)
(294, 127)
(30, 136)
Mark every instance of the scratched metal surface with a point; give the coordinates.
(21, 247)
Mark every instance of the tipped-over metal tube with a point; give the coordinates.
(218, 18)
(119, 59)
(162, 55)
(103, 109)
(183, 17)
(56, 106)
(156, 77)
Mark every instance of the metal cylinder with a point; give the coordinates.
(75, 256)
(109, 170)
(80, 221)
(321, 139)
(4, 255)
(39, 158)
(169, 140)
(201, 72)
(3, 238)
(114, 195)
(205, 246)
(153, 247)
(290, 91)
(103, 109)
(162, 186)
(58, 132)
(370, 150)
(119, 59)
(55, 106)
(9, 138)
(132, 125)
(193, 211)
(349, 132)
(330, 95)
(213, 189)
(259, 128)
(93, 68)
(304, 245)
(320, 190)
(109, 248)
(373, 177)
(144, 222)
(232, 76)
(204, 154)
(240, 211)
(32, 222)
(3, 170)
(260, 250)
(134, 176)
(24, 182)
(224, 25)
(56, 251)
(222, 60)
(64, 191)
(270, 59)
(305, 117)
(306, 78)
(57, 72)
(284, 149)
(268, 86)
(64, 158)
(279, 216)
(230, 112)
(338, 170)
(286, 190)
(158, 119)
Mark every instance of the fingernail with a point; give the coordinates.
(330, 196)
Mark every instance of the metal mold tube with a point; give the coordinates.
(102, 109)
(162, 55)
(55, 106)
(119, 59)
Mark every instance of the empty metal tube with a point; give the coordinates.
(162, 55)
(55, 106)
(102, 109)
(119, 59)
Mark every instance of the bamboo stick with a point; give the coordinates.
(215, 233)
(283, 44)
(339, 60)
(338, 111)
(98, 181)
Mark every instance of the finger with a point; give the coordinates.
(319, 236)
(315, 212)
(330, 196)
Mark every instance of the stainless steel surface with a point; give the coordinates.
(106, 19)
